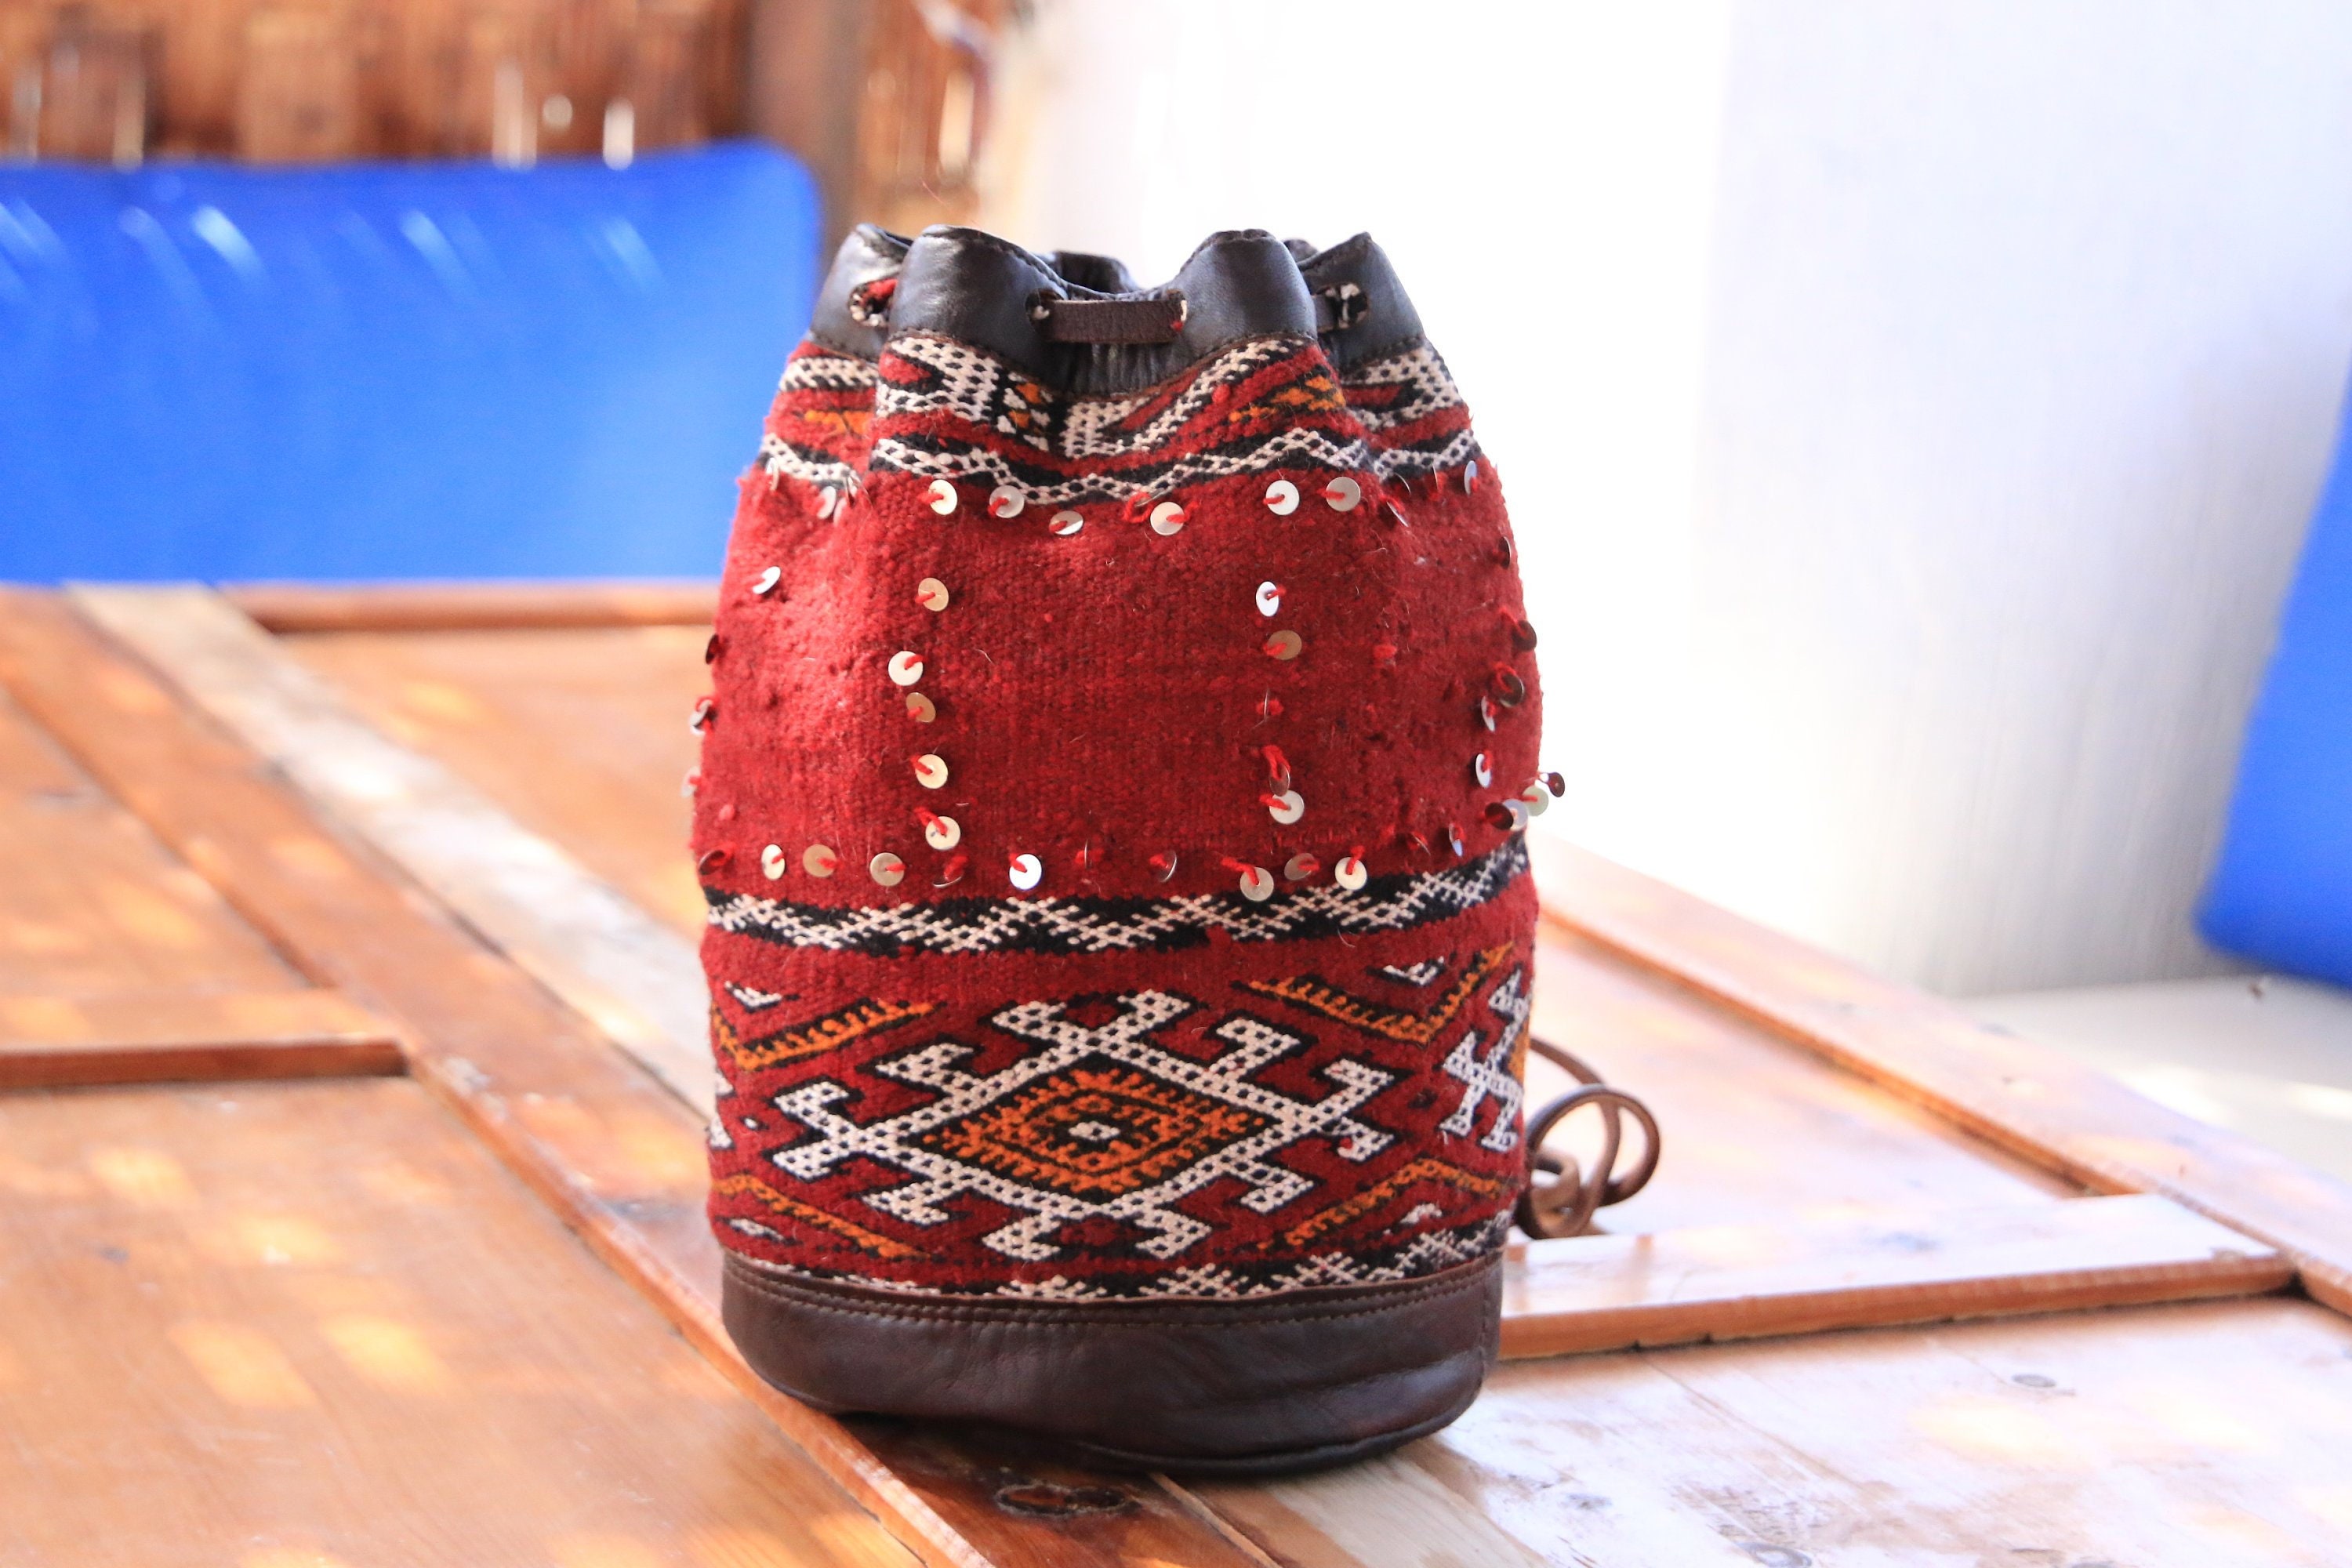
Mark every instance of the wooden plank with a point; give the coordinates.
(579, 735)
(1729, 1283)
(318, 1323)
(54, 1041)
(618, 1157)
(1755, 1133)
(473, 606)
(2197, 1434)
(2028, 1100)
(638, 979)
(119, 963)
(92, 905)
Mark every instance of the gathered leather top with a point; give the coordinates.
(1078, 322)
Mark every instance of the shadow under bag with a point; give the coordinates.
(1112, 816)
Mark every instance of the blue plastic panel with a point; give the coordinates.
(2283, 892)
(391, 371)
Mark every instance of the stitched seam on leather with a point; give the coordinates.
(812, 1297)
(1406, 344)
(1069, 1321)
(1347, 252)
(1003, 248)
(1249, 237)
(815, 336)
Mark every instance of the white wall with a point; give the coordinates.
(2029, 325)
(1910, 412)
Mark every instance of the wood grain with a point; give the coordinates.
(92, 905)
(2031, 1101)
(617, 1156)
(640, 982)
(119, 963)
(297, 94)
(2188, 1435)
(55, 1041)
(579, 735)
(1755, 1132)
(1730, 1282)
(317, 1323)
(473, 606)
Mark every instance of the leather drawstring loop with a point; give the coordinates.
(1157, 319)
(1564, 1203)
(1341, 308)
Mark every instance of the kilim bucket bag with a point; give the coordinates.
(1111, 812)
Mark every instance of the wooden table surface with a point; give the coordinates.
(351, 1175)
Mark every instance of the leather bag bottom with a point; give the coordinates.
(1261, 1387)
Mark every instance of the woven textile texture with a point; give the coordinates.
(1113, 899)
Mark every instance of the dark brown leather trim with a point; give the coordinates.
(1195, 1386)
(866, 257)
(973, 287)
(976, 288)
(1375, 318)
(1103, 274)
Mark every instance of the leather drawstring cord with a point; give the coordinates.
(1564, 1206)
(1157, 319)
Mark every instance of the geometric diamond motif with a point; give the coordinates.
(1098, 1129)
(1097, 1123)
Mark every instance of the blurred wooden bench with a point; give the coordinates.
(350, 1177)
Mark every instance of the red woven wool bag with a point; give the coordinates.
(1111, 815)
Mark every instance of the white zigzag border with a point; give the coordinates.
(1113, 925)
(974, 381)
